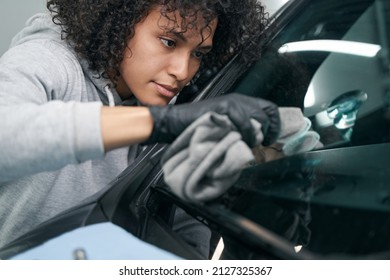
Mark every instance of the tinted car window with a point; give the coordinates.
(332, 61)
(332, 55)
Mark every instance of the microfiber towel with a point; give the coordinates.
(296, 135)
(208, 157)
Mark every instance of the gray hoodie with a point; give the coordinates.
(51, 149)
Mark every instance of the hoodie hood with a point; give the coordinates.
(41, 27)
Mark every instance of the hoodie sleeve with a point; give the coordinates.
(43, 125)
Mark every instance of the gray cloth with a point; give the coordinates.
(207, 158)
(296, 135)
(51, 149)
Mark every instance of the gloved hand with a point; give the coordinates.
(170, 121)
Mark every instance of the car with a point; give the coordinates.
(329, 58)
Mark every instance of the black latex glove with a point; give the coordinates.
(170, 121)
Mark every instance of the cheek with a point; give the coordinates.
(134, 65)
(144, 59)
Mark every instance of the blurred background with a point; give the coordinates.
(14, 13)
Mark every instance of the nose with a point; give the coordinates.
(179, 66)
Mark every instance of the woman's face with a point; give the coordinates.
(161, 59)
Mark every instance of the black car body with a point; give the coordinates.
(330, 58)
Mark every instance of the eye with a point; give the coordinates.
(198, 54)
(168, 43)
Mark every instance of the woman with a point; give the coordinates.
(65, 134)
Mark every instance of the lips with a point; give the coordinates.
(166, 90)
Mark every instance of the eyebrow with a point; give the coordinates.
(180, 36)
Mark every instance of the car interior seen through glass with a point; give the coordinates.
(332, 60)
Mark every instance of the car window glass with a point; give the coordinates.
(331, 61)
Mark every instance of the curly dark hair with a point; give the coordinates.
(100, 29)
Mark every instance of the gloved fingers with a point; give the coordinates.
(241, 109)
(247, 130)
(248, 133)
(273, 129)
(266, 113)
